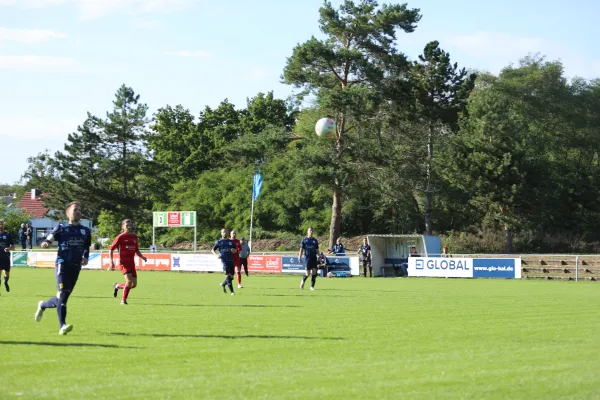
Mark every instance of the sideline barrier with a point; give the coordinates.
(507, 268)
(456, 267)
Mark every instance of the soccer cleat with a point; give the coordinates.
(40, 311)
(6, 287)
(224, 288)
(65, 329)
(312, 288)
(124, 303)
(240, 287)
(115, 289)
(232, 293)
(302, 284)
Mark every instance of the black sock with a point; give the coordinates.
(61, 309)
(313, 280)
(230, 283)
(51, 303)
(305, 278)
(5, 280)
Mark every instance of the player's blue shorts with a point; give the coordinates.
(310, 263)
(66, 276)
(5, 262)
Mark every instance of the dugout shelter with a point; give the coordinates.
(389, 251)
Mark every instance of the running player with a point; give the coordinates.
(310, 248)
(226, 249)
(74, 241)
(127, 245)
(6, 245)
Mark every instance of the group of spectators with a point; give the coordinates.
(25, 236)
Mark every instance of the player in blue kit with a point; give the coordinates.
(310, 247)
(6, 245)
(74, 241)
(227, 250)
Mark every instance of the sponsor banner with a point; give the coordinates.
(156, 262)
(440, 267)
(196, 262)
(19, 259)
(464, 267)
(94, 262)
(45, 259)
(264, 264)
(338, 264)
(292, 265)
(31, 259)
(496, 268)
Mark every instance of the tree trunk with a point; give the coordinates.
(509, 241)
(125, 168)
(428, 184)
(336, 214)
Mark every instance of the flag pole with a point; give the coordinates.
(251, 220)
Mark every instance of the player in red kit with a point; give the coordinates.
(236, 258)
(127, 245)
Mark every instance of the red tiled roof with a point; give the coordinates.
(35, 207)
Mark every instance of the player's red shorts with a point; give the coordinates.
(129, 268)
(237, 262)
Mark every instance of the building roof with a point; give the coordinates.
(35, 206)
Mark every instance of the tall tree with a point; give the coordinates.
(124, 134)
(440, 92)
(350, 70)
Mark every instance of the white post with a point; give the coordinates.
(576, 268)
(153, 242)
(194, 237)
(251, 220)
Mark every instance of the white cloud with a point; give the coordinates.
(39, 62)
(22, 127)
(190, 53)
(29, 35)
(493, 51)
(89, 9)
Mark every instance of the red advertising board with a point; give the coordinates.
(156, 262)
(264, 264)
(174, 219)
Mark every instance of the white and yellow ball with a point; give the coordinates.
(325, 127)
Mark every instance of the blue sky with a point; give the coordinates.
(62, 58)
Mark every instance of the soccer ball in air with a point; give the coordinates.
(325, 127)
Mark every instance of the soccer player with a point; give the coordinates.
(74, 241)
(127, 245)
(6, 245)
(310, 248)
(244, 254)
(237, 262)
(365, 251)
(227, 249)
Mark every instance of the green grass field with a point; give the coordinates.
(182, 338)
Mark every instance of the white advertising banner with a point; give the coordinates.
(94, 261)
(440, 267)
(195, 262)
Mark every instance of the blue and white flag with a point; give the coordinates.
(256, 186)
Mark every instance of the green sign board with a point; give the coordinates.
(19, 259)
(174, 219)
